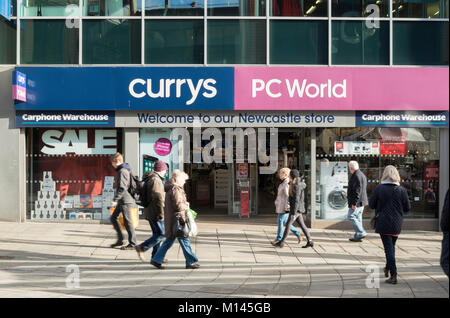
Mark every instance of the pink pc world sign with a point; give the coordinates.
(341, 88)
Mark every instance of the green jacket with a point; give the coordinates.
(156, 194)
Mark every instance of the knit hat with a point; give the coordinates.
(159, 166)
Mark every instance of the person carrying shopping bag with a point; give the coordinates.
(175, 214)
(282, 207)
(297, 208)
(391, 203)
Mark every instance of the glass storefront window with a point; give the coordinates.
(250, 8)
(112, 41)
(299, 42)
(236, 42)
(8, 31)
(174, 8)
(360, 8)
(298, 8)
(50, 8)
(69, 173)
(354, 43)
(48, 42)
(420, 43)
(431, 9)
(117, 8)
(174, 42)
(414, 151)
(14, 8)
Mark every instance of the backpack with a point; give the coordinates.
(137, 189)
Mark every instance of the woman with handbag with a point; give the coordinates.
(297, 208)
(176, 221)
(390, 202)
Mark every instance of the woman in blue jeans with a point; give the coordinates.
(175, 208)
(282, 207)
(390, 202)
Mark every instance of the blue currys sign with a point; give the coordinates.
(128, 88)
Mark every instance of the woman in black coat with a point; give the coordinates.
(391, 203)
(297, 207)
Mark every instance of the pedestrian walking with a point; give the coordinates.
(296, 208)
(122, 202)
(444, 228)
(282, 207)
(357, 200)
(391, 203)
(175, 208)
(154, 208)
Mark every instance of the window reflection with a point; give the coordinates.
(299, 8)
(174, 7)
(360, 8)
(237, 8)
(47, 8)
(117, 8)
(420, 9)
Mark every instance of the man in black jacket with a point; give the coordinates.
(444, 228)
(123, 202)
(357, 199)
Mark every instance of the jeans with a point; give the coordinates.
(282, 220)
(156, 239)
(389, 249)
(444, 253)
(125, 209)
(355, 217)
(185, 246)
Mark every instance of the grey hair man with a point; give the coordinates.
(357, 199)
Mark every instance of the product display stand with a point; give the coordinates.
(48, 205)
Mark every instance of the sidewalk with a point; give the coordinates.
(236, 257)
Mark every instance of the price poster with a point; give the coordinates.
(245, 199)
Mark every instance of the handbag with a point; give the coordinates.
(180, 230)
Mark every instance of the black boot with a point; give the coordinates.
(309, 244)
(386, 272)
(392, 280)
(280, 244)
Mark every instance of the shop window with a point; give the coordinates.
(413, 151)
(117, 8)
(250, 8)
(354, 42)
(48, 8)
(236, 42)
(174, 42)
(174, 7)
(360, 8)
(111, 41)
(298, 42)
(431, 9)
(69, 173)
(48, 42)
(8, 31)
(298, 8)
(420, 43)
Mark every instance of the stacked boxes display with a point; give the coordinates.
(48, 205)
(107, 197)
(221, 187)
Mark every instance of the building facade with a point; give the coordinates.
(228, 91)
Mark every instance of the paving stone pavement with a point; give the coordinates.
(236, 257)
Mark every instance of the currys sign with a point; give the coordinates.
(19, 86)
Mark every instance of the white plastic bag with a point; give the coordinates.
(192, 225)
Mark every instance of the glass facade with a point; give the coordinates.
(112, 41)
(8, 36)
(48, 42)
(413, 151)
(298, 42)
(339, 32)
(174, 42)
(355, 43)
(69, 173)
(236, 42)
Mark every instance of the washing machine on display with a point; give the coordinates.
(334, 183)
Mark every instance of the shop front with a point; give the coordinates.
(232, 129)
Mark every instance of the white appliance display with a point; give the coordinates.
(333, 185)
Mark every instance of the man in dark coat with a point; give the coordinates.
(357, 200)
(444, 228)
(122, 202)
(154, 211)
